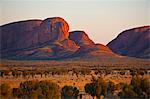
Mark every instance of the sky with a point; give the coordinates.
(102, 20)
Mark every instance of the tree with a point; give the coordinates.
(68, 92)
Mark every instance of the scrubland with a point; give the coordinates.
(71, 73)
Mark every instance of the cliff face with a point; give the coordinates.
(134, 42)
(17, 35)
(53, 29)
(30, 33)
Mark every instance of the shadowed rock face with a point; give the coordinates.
(134, 42)
(19, 34)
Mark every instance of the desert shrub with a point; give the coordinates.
(133, 72)
(37, 89)
(85, 71)
(141, 72)
(136, 83)
(122, 72)
(110, 88)
(16, 73)
(5, 91)
(99, 87)
(128, 92)
(139, 87)
(2, 73)
(69, 92)
(145, 84)
(17, 92)
(120, 86)
(90, 88)
(108, 71)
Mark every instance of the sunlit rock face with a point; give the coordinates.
(37, 39)
(80, 38)
(102, 47)
(133, 42)
(86, 45)
(69, 45)
(53, 29)
(20, 35)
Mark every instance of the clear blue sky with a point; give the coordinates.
(103, 20)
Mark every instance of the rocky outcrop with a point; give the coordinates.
(133, 42)
(53, 29)
(102, 47)
(36, 39)
(80, 38)
(45, 39)
(86, 44)
(20, 35)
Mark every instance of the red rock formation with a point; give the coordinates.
(13, 33)
(20, 35)
(102, 47)
(47, 39)
(53, 29)
(86, 44)
(69, 45)
(80, 38)
(133, 42)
